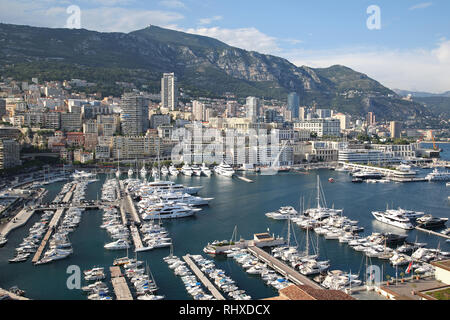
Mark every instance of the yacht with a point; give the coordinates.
(143, 172)
(437, 175)
(430, 222)
(196, 170)
(154, 172)
(205, 170)
(283, 213)
(368, 175)
(224, 170)
(117, 245)
(130, 173)
(3, 241)
(173, 171)
(164, 171)
(82, 175)
(168, 211)
(151, 187)
(187, 170)
(393, 218)
(321, 213)
(184, 198)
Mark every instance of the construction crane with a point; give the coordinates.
(435, 147)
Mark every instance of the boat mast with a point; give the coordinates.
(318, 192)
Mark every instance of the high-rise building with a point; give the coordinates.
(302, 113)
(253, 106)
(371, 119)
(134, 115)
(9, 153)
(2, 108)
(169, 91)
(395, 128)
(198, 110)
(293, 104)
(323, 113)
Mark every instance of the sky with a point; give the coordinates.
(404, 44)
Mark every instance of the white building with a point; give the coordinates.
(252, 106)
(322, 127)
(169, 92)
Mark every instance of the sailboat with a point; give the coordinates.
(118, 167)
(143, 172)
(320, 212)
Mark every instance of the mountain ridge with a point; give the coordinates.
(203, 65)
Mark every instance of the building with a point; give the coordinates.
(9, 154)
(370, 119)
(102, 152)
(343, 119)
(82, 156)
(134, 115)
(169, 92)
(365, 156)
(157, 120)
(253, 108)
(133, 147)
(198, 111)
(304, 292)
(70, 121)
(75, 139)
(442, 272)
(322, 127)
(293, 104)
(2, 108)
(395, 129)
(323, 113)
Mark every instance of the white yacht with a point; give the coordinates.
(283, 213)
(173, 171)
(184, 198)
(321, 213)
(154, 172)
(394, 218)
(143, 172)
(196, 170)
(82, 175)
(168, 211)
(187, 170)
(224, 170)
(130, 173)
(205, 170)
(437, 175)
(117, 245)
(164, 171)
(151, 187)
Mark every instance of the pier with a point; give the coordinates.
(13, 296)
(52, 225)
(123, 214)
(433, 232)
(203, 278)
(282, 268)
(138, 246)
(132, 209)
(68, 196)
(121, 289)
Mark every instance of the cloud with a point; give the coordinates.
(104, 19)
(246, 38)
(415, 70)
(422, 5)
(205, 21)
(173, 4)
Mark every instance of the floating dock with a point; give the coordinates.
(433, 232)
(121, 289)
(51, 226)
(123, 214)
(282, 268)
(203, 278)
(132, 209)
(115, 272)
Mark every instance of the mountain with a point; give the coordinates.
(419, 94)
(203, 65)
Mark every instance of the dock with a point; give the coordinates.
(433, 232)
(115, 272)
(217, 295)
(282, 268)
(243, 178)
(51, 226)
(68, 195)
(123, 214)
(138, 246)
(132, 209)
(121, 289)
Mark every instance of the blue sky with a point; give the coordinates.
(410, 51)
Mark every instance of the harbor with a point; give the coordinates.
(232, 201)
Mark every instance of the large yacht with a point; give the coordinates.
(82, 175)
(368, 175)
(168, 211)
(187, 170)
(283, 213)
(150, 187)
(224, 170)
(130, 173)
(182, 198)
(205, 170)
(164, 171)
(143, 172)
(394, 218)
(173, 171)
(117, 245)
(437, 175)
(154, 172)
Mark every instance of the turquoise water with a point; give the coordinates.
(236, 203)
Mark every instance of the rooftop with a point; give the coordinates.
(302, 292)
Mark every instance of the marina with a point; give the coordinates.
(248, 204)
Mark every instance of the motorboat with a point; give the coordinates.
(196, 170)
(187, 170)
(205, 170)
(224, 170)
(437, 175)
(430, 222)
(164, 171)
(173, 171)
(117, 245)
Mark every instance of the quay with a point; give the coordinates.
(243, 178)
(52, 225)
(132, 210)
(203, 278)
(115, 272)
(391, 174)
(282, 268)
(68, 196)
(433, 232)
(123, 214)
(121, 289)
(138, 246)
